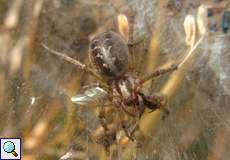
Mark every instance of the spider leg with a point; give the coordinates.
(135, 128)
(131, 52)
(102, 118)
(132, 44)
(159, 72)
(73, 61)
(160, 100)
(126, 27)
(126, 111)
(155, 101)
(106, 144)
(109, 131)
(129, 135)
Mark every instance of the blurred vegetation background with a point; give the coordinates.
(36, 86)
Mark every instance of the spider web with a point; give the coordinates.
(197, 127)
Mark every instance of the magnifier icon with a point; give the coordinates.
(9, 147)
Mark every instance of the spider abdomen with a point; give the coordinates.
(109, 54)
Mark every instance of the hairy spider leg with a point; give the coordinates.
(136, 127)
(102, 118)
(126, 30)
(159, 72)
(161, 101)
(80, 65)
(127, 132)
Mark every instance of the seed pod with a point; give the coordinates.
(109, 54)
(190, 30)
(123, 26)
(202, 19)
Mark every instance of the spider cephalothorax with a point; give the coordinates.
(129, 92)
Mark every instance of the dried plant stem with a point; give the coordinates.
(191, 51)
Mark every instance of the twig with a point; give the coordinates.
(191, 51)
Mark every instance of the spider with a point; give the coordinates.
(109, 54)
